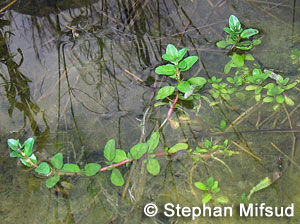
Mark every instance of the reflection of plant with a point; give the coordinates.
(210, 189)
(238, 37)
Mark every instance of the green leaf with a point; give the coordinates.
(15, 154)
(206, 198)
(165, 92)
(222, 200)
(43, 168)
(229, 31)
(279, 99)
(290, 86)
(160, 104)
(235, 24)
(181, 53)
(138, 150)
(256, 42)
(222, 44)
(228, 67)
(238, 60)
(153, 142)
(244, 45)
(116, 178)
(120, 156)
(23, 160)
(266, 182)
(110, 150)
(13, 144)
(190, 61)
(258, 90)
(178, 147)
(249, 57)
(165, 70)
(210, 182)
(276, 107)
(168, 57)
(201, 186)
(172, 51)
(33, 158)
(257, 97)
(57, 160)
(183, 86)
(153, 167)
(251, 87)
(91, 169)
(71, 168)
(222, 124)
(249, 33)
(268, 99)
(289, 101)
(52, 181)
(28, 145)
(199, 81)
(207, 144)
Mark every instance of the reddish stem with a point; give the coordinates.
(156, 154)
(170, 111)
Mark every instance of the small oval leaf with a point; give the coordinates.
(165, 70)
(165, 92)
(153, 167)
(116, 178)
(43, 168)
(13, 144)
(178, 147)
(138, 150)
(249, 33)
(28, 145)
(91, 169)
(57, 160)
(52, 181)
(70, 168)
(110, 150)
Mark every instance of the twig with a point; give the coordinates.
(291, 160)
(9, 5)
(246, 151)
(291, 127)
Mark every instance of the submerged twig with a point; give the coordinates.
(291, 127)
(246, 151)
(291, 160)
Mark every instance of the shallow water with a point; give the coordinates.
(75, 74)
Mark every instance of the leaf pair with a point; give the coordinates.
(24, 152)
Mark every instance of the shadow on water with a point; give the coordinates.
(78, 73)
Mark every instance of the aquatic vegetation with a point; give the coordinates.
(237, 61)
(238, 37)
(186, 88)
(210, 189)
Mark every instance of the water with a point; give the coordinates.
(75, 74)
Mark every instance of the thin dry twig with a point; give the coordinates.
(246, 151)
(9, 5)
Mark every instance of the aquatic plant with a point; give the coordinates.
(238, 37)
(184, 89)
(210, 189)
